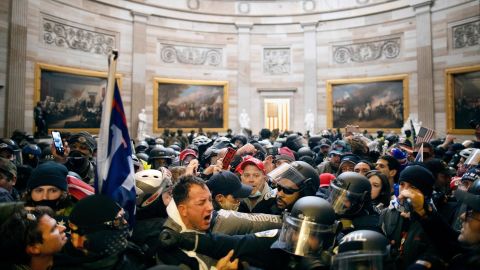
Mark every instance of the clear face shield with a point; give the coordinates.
(342, 200)
(473, 159)
(285, 171)
(301, 237)
(358, 261)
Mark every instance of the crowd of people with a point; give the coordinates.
(276, 200)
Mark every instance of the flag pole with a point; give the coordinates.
(102, 152)
(112, 69)
(414, 133)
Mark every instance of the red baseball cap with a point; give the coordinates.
(187, 152)
(249, 160)
(325, 179)
(284, 153)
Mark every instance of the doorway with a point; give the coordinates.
(277, 113)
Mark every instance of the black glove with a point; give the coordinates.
(169, 238)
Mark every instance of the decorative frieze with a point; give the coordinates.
(63, 35)
(276, 61)
(367, 51)
(466, 35)
(191, 55)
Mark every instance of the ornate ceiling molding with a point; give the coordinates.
(63, 34)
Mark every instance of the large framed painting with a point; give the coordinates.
(71, 98)
(371, 103)
(462, 98)
(190, 104)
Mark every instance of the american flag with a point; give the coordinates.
(424, 135)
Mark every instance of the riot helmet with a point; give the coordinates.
(294, 142)
(309, 229)
(141, 147)
(349, 193)
(31, 154)
(175, 147)
(300, 173)
(159, 157)
(314, 140)
(142, 156)
(9, 149)
(362, 249)
(305, 151)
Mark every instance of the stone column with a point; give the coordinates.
(425, 93)
(139, 41)
(243, 77)
(17, 63)
(310, 71)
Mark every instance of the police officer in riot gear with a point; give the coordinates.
(351, 200)
(160, 157)
(293, 181)
(362, 249)
(305, 241)
(9, 149)
(294, 142)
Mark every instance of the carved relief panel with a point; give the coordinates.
(367, 51)
(69, 35)
(191, 55)
(276, 61)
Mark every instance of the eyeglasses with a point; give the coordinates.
(469, 215)
(287, 191)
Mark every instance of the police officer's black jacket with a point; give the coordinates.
(410, 240)
(252, 248)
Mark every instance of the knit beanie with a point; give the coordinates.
(420, 177)
(49, 174)
(94, 210)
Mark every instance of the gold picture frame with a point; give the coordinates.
(367, 101)
(462, 86)
(72, 98)
(190, 104)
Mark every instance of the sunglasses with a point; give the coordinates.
(287, 191)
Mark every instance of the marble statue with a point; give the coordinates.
(244, 120)
(309, 121)
(142, 121)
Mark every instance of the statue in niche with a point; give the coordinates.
(309, 121)
(244, 120)
(142, 121)
(39, 114)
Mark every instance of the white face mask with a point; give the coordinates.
(230, 206)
